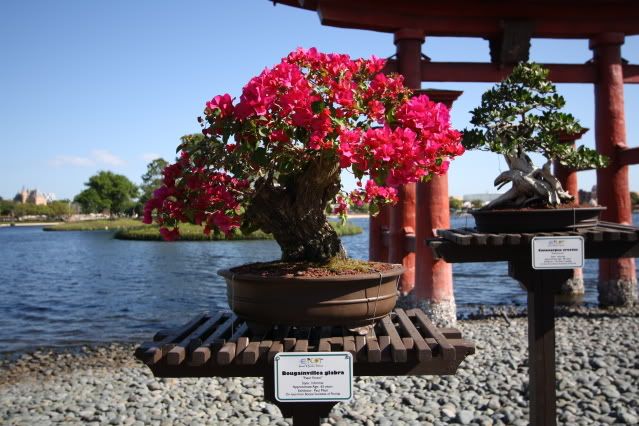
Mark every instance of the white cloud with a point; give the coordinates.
(105, 157)
(67, 160)
(98, 156)
(150, 156)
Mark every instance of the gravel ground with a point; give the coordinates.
(598, 377)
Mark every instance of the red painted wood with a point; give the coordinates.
(468, 18)
(434, 278)
(377, 251)
(610, 136)
(484, 72)
(566, 175)
(628, 156)
(402, 216)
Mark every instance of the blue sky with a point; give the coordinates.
(88, 86)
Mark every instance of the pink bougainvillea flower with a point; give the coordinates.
(310, 107)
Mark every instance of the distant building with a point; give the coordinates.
(32, 196)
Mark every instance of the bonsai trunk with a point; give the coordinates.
(295, 212)
(531, 186)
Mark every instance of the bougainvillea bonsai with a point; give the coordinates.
(519, 115)
(272, 159)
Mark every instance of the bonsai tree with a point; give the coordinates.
(272, 159)
(522, 114)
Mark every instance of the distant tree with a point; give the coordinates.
(59, 208)
(107, 191)
(455, 203)
(476, 203)
(634, 198)
(152, 179)
(7, 208)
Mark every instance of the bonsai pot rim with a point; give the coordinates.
(536, 220)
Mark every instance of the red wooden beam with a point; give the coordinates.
(628, 156)
(469, 18)
(483, 72)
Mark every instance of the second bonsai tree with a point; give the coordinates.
(521, 115)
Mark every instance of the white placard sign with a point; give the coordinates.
(557, 252)
(314, 376)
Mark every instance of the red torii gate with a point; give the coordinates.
(509, 26)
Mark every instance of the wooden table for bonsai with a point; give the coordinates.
(221, 345)
(606, 240)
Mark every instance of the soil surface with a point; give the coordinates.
(335, 267)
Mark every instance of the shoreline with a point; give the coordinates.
(21, 224)
(596, 367)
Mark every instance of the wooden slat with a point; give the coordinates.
(202, 354)
(337, 342)
(178, 354)
(450, 235)
(423, 350)
(397, 347)
(513, 239)
(276, 348)
(325, 340)
(265, 345)
(301, 343)
(409, 343)
(385, 348)
(349, 345)
(374, 352)
(230, 349)
(360, 348)
(496, 239)
(154, 352)
(242, 344)
(251, 353)
(448, 352)
(450, 333)
(226, 354)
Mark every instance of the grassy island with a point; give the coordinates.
(133, 229)
(194, 233)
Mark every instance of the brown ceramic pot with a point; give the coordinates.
(347, 300)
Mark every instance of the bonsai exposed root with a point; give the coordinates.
(531, 186)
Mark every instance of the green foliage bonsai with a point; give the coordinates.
(520, 115)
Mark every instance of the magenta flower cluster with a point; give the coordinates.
(309, 104)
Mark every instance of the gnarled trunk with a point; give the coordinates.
(295, 213)
(531, 186)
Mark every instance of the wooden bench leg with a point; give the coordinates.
(541, 287)
(303, 413)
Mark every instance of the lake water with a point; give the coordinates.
(60, 289)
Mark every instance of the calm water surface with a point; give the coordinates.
(62, 289)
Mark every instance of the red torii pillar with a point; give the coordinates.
(617, 277)
(434, 278)
(568, 179)
(402, 215)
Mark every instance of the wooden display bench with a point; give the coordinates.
(606, 240)
(221, 345)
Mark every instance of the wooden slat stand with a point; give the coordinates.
(605, 240)
(222, 345)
